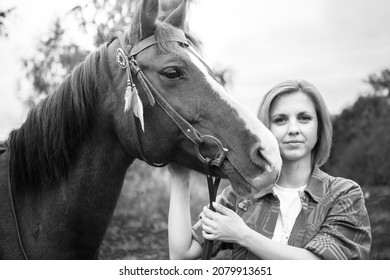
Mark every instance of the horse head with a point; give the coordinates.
(163, 53)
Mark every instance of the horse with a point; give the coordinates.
(146, 93)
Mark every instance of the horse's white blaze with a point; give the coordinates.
(269, 145)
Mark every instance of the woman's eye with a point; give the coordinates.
(305, 118)
(279, 120)
(172, 73)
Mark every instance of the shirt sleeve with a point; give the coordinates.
(346, 231)
(228, 199)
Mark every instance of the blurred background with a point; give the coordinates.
(342, 47)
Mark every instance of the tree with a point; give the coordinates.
(53, 61)
(56, 56)
(3, 15)
(361, 142)
(380, 83)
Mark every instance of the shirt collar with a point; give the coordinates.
(315, 187)
(264, 192)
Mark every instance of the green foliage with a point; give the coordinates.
(53, 61)
(105, 17)
(56, 56)
(3, 15)
(380, 83)
(361, 142)
(378, 207)
(361, 150)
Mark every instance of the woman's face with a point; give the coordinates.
(295, 125)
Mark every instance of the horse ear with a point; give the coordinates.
(143, 24)
(178, 17)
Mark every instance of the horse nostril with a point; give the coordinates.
(258, 158)
(267, 158)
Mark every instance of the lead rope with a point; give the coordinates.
(213, 188)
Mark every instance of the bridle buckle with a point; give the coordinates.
(220, 156)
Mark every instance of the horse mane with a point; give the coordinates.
(42, 149)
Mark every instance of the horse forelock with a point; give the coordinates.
(162, 32)
(42, 149)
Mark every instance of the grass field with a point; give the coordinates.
(138, 229)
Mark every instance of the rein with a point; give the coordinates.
(4, 148)
(13, 210)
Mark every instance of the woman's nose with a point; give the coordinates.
(293, 128)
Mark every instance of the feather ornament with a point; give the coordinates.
(127, 98)
(138, 108)
(134, 103)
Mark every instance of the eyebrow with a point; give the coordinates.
(300, 113)
(306, 112)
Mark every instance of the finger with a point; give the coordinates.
(207, 228)
(208, 236)
(210, 223)
(209, 213)
(222, 209)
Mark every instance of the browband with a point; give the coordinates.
(151, 40)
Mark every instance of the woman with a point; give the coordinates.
(307, 214)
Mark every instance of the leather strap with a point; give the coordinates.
(150, 41)
(3, 149)
(213, 188)
(189, 131)
(14, 215)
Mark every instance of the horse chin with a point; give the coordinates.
(245, 186)
(239, 183)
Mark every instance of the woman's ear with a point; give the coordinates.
(143, 24)
(178, 17)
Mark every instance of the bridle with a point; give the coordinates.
(125, 57)
(128, 62)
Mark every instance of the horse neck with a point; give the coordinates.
(74, 216)
(98, 178)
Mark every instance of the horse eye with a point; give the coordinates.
(172, 73)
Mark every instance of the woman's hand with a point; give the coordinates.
(224, 224)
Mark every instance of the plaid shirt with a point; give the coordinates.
(333, 222)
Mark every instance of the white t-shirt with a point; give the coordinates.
(290, 206)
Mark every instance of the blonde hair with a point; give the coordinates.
(321, 151)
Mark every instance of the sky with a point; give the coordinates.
(334, 44)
